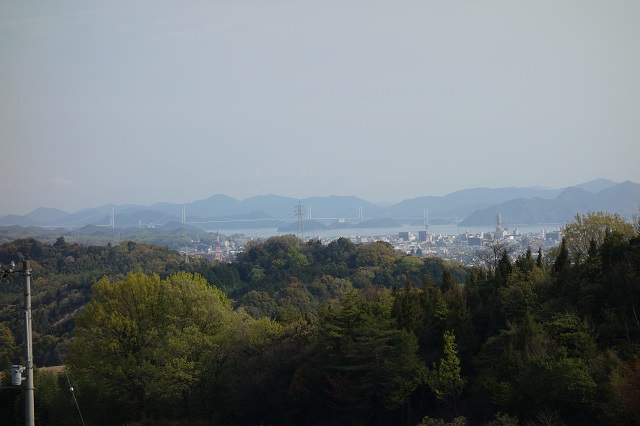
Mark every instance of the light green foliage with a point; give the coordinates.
(197, 319)
(117, 335)
(445, 379)
(409, 265)
(377, 254)
(295, 259)
(593, 227)
(148, 340)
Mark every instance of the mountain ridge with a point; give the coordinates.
(623, 199)
(473, 206)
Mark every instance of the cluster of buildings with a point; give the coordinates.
(223, 251)
(464, 247)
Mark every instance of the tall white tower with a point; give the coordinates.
(499, 227)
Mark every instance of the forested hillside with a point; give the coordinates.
(304, 333)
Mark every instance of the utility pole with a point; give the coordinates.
(29, 412)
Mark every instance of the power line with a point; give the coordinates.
(61, 360)
(16, 370)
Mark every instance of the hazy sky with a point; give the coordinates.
(147, 101)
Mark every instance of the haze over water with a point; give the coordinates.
(390, 231)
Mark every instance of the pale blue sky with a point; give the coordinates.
(147, 101)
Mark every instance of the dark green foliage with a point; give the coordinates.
(561, 263)
(339, 334)
(62, 277)
(366, 362)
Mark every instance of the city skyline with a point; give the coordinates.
(149, 102)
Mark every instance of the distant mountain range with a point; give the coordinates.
(469, 207)
(623, 198)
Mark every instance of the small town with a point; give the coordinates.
(299, 213)
(465, 248)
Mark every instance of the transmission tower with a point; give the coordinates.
(299, 210)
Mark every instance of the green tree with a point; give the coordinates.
(53, 404)
(410, 266)
(297, 299)
(526, 263)
(377, 254)
(367, 362)
(265, 381)
(407, 309)
(518, 297)
(447, 281)
(539, 258)
(146, 341)
(445, 379)
(116, 336)
(258, 304)
(593, 227)
(621, 275)
(197, 324)
(527, 371)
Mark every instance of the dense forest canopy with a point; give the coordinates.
(296, 332)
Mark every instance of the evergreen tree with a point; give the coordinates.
(539, 258)
(447, 281)
(445, 379)
(368, 363)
